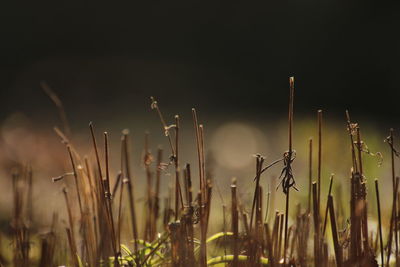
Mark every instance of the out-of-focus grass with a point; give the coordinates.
(230, 145)
(230, 148)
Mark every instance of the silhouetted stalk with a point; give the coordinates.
(392, 221)
(203, 251)
(108, 197)
(378, 205)
(319, 156)
(97, 157)
(362, 194)
(157, 190)
(259, 163)
(147, 160)
(198, 143)
(235, 225)
(310, 155)
(316, 226)
(290, 153)
(178, 189)
(76, 178)
(130, 193)
(350, 129)
(208, 207)
(337, 246)
(391, 136)
(327, 207)
(190, 230)
(203, 160)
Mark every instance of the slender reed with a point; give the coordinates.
(392, 221)
(337, 246)
(391, 140)
(130, 192)
(310, 157)
(289, 161)
(316, 225)
(378, 205)
(235, 224)
(319, 156)
(327, 207)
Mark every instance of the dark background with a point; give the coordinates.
(223, 57)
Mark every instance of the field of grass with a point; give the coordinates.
(291, 210)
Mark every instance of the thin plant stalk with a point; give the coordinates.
(394, 203)
(310, 155)
(316, 225)
(235, 225)
(198, 143)
(337, 246)
(389, 244)
(107, 195)
(290, 152)
(378, 205)
(319, 156)
(76, 178)
(130, 192)
(327, 207)
(178, 189)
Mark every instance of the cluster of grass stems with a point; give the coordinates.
(177, 234)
